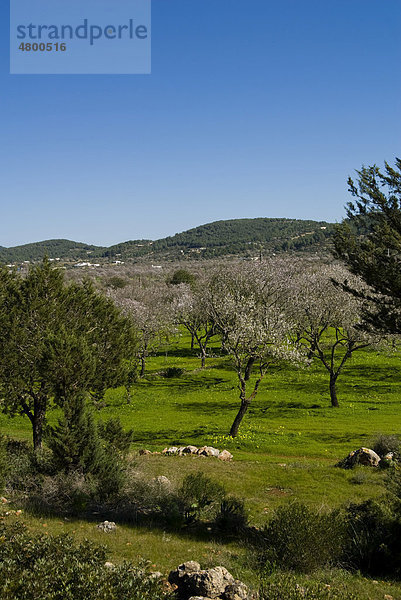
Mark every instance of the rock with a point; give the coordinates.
(225, 455)
(236, 591)
(209, 583)
(208, 451)
(155, 575)
(107, 526)
(190, 450)
(389, 456)
(161, 482)
(183, 571)
(144, 452)
(109, 565)
(362, 456)
(199, 598)
(180, 451)
(388, 597)
(170, 451)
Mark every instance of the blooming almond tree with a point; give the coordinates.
(244, 304)
(150, 306)
(191, 309)
(328, 319)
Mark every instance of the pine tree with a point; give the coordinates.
(75, 442)
(58, 342)
(369, 242)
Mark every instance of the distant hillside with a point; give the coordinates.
(242, 237)
(63, 249)
(237, 236)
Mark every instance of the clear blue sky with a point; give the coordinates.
(254, 108)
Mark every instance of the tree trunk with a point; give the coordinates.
(333, 392)
(248, 368)
(203, 359)
(143, 366)
(37, 423)
(192, 341)
(240, 415)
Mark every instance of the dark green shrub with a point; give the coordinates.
(57, 568)
(75, 442)
(112, 432)
(232, 516)
(374, 538)
(301, 539)
(198, 495)
(182, 276)
(117, 283)
(173, 372)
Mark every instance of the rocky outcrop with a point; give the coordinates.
(362, 456)
(194, 583)
(208, 451)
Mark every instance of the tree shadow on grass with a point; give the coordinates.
(374, 373)
(186, 384)
(175, 436)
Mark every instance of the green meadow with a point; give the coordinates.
(287, 449)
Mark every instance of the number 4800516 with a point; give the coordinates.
(42, 47)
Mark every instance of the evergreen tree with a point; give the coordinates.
(58, 342)
(370, 242)
(75, 442)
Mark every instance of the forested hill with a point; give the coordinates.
(63, 249)
(234, 237)
(242, 237)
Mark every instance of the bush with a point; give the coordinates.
(382, 444)
(199, 495)
(374, 538)
(182, 276)
(57, 568)
(112, 432)
(173, 372)
(300, 539)
(232, 516)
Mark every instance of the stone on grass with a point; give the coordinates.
(225, 455)
(170, 451)
(107, 526)
(362, 456)
(236, 591)
(183, 571)
(208, 451)
(190, 450)
(210, 583)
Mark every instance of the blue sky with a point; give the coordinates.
(253, 108)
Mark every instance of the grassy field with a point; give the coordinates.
(287, 449)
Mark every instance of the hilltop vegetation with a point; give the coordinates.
(238, 237)
(64, 249)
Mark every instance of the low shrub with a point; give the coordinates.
(301, 539)
(382, 444)
(172, 372)
(373, 542)
(57, 568)
(232, 516)
(199, 495)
